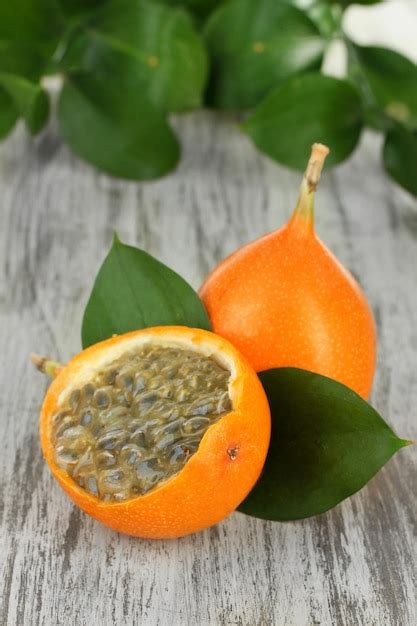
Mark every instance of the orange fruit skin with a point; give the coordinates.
(212, 484)
(285, 300)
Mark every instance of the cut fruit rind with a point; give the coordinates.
(214, 480)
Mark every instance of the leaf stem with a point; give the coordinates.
(304, 210)
(46, 365)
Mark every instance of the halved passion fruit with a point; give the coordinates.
(157, 433)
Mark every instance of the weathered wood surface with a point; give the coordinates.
(355, 565)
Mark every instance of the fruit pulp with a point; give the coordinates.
(138, 420)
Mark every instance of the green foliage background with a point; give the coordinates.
(128, 64)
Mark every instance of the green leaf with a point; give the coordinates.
(387, 81)
(326, 444)
(21, 59)
(116, 129)
(303, 110)
(146, 47)
(200, 8)
(30, 100)
(133, 290)
(400, 157)
(29, 19)
(80, 8)
(29, 33)
(8, 114)
(255, 45)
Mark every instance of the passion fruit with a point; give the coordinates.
(157, 433)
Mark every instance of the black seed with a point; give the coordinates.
(66, 423)
(148, 467)
(201, 409)
(139, 384)
(172, 427)
(86, 418)
(114, 475)
(110, 376)
(167, 440)
(149, 474)
(91, 485)
(128, 383)
(112, 439)
(138, 437)
(101, 399)
(65, 457)
(113, 481)
(59, 417)
(196, 424)
(115, 413)
(105, 459)
(87, 393)
(131, 454)
(178, 454)
(145, 402)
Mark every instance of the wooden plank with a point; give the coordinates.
(354, 565)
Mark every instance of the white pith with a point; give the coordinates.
(87, 370)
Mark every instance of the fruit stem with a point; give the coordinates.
(46, 365)
(304, 210)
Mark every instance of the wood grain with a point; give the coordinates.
(354, 565)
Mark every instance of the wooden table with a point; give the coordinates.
(355, 565)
